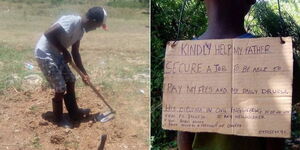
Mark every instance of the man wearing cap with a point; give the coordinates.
(52, 55)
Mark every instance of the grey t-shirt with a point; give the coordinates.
(73, 33)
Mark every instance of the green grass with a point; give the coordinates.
(34, 108)
(128, 4)
(36, 142)
(12, 69)
(24, 20)
(53, 2)
(71, 144)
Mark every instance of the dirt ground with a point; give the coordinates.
(26, 123)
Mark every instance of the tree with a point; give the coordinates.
(164, 25)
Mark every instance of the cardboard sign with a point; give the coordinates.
(231, 86)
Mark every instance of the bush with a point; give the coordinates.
(267, 23)
(164, 25)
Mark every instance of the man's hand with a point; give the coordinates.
(86, 79)
(67, 57)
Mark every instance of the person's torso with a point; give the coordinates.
(73, 33)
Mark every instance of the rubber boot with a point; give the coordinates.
(59, 119)
(57, 110)
(75, 113)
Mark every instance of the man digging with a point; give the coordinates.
(53, 57)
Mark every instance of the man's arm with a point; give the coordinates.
(52, 35)
(77, 57)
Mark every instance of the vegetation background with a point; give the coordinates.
(263, 20)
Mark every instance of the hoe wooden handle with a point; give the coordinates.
(91, 85)
(102, 142)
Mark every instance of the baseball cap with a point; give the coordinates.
(98, 14)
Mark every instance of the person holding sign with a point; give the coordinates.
(226, 20)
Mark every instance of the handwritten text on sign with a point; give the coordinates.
(231, 86)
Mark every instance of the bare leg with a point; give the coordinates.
(185, 140)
